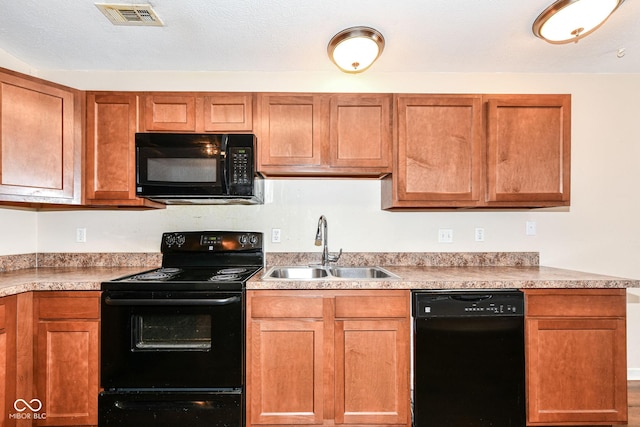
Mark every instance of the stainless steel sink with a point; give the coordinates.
(361, 273)
(301, 273)
(318, 272)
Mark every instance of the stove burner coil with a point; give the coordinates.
(159, 274)
(224, 277)
(233, 270)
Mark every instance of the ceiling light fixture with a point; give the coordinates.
(567, 21)
(354, 50)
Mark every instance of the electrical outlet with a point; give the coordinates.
(479, 234)
(275, 235)
(81, 235)
(445, 235)
(531, 228)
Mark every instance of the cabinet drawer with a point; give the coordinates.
(372, 306)
(69, 307)
(287, 307)
(575, 302)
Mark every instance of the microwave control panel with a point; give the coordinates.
(240, 163)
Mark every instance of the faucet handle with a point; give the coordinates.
(335, 258)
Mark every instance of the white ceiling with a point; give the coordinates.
(292, 35)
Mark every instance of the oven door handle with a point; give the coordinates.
(172, 301)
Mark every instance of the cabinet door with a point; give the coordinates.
(164, 112)
(575, 346)
(66, 358)
(371, 371)
(112, 122)
(7, 360)
(292, 130)
(439, 152)
(372, 358)
(360, 133)
(287, 372)
(576, 371)
(528, 150)
(40, 142)
(228, 112)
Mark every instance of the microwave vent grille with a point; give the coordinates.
(130, 14)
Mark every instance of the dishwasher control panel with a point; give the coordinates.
(467, 303)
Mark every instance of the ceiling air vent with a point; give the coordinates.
(130, 14)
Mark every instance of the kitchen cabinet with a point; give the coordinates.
(528, 150)
(480, 151)
(197, 112)
(110, 168)
(438, 154)
(328, 357)
(7, 359)
(57, 357)
(324, 134)
(576, 356)
(40, 141)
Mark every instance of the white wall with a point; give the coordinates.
(600, 232)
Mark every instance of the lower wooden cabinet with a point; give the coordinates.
(57, 359)
(328, 357)
(7, 359)
(576, 357)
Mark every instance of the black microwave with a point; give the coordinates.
(191, 168)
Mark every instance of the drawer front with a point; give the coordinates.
(372, 306)
(576, 302)
(69, 306)
(286, 307)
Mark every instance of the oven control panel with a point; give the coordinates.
(210, 241)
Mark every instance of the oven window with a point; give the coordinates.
(171, 332)
(182, 169)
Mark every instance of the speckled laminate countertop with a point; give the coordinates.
(415, 271)
(458, 277)
(60, 278)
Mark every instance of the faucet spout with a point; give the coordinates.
(322, 239)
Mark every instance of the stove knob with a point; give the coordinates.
(180, 239)
(253, 239)
(170, 239)
(244, 239)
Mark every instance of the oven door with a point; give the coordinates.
(185, 339)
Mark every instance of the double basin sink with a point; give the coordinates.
(324, 273)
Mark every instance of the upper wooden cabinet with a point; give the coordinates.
(575, 343)
(110, 170)
(197, 112)
(328, 358)
(40, 141)
(324, 134)
(528, 150)
(480, 151)
(439, 152)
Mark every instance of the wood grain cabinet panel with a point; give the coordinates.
(324, 366)
(197, 112)
(360, 132)
(480, 151)
(8, 360)
(40, 141)
(528, 149)
(110, 169)
(575, 360)
(439, 152)
(66, 328)
(321, 134)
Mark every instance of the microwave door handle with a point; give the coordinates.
(171, 301)
(223, 152)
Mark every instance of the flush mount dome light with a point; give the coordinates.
(354, 50)
(568, 21)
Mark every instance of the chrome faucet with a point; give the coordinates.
(322, 239)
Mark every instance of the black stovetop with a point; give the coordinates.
(199, 260)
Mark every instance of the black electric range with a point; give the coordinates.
(172, 338)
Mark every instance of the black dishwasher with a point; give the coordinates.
(469, 359)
